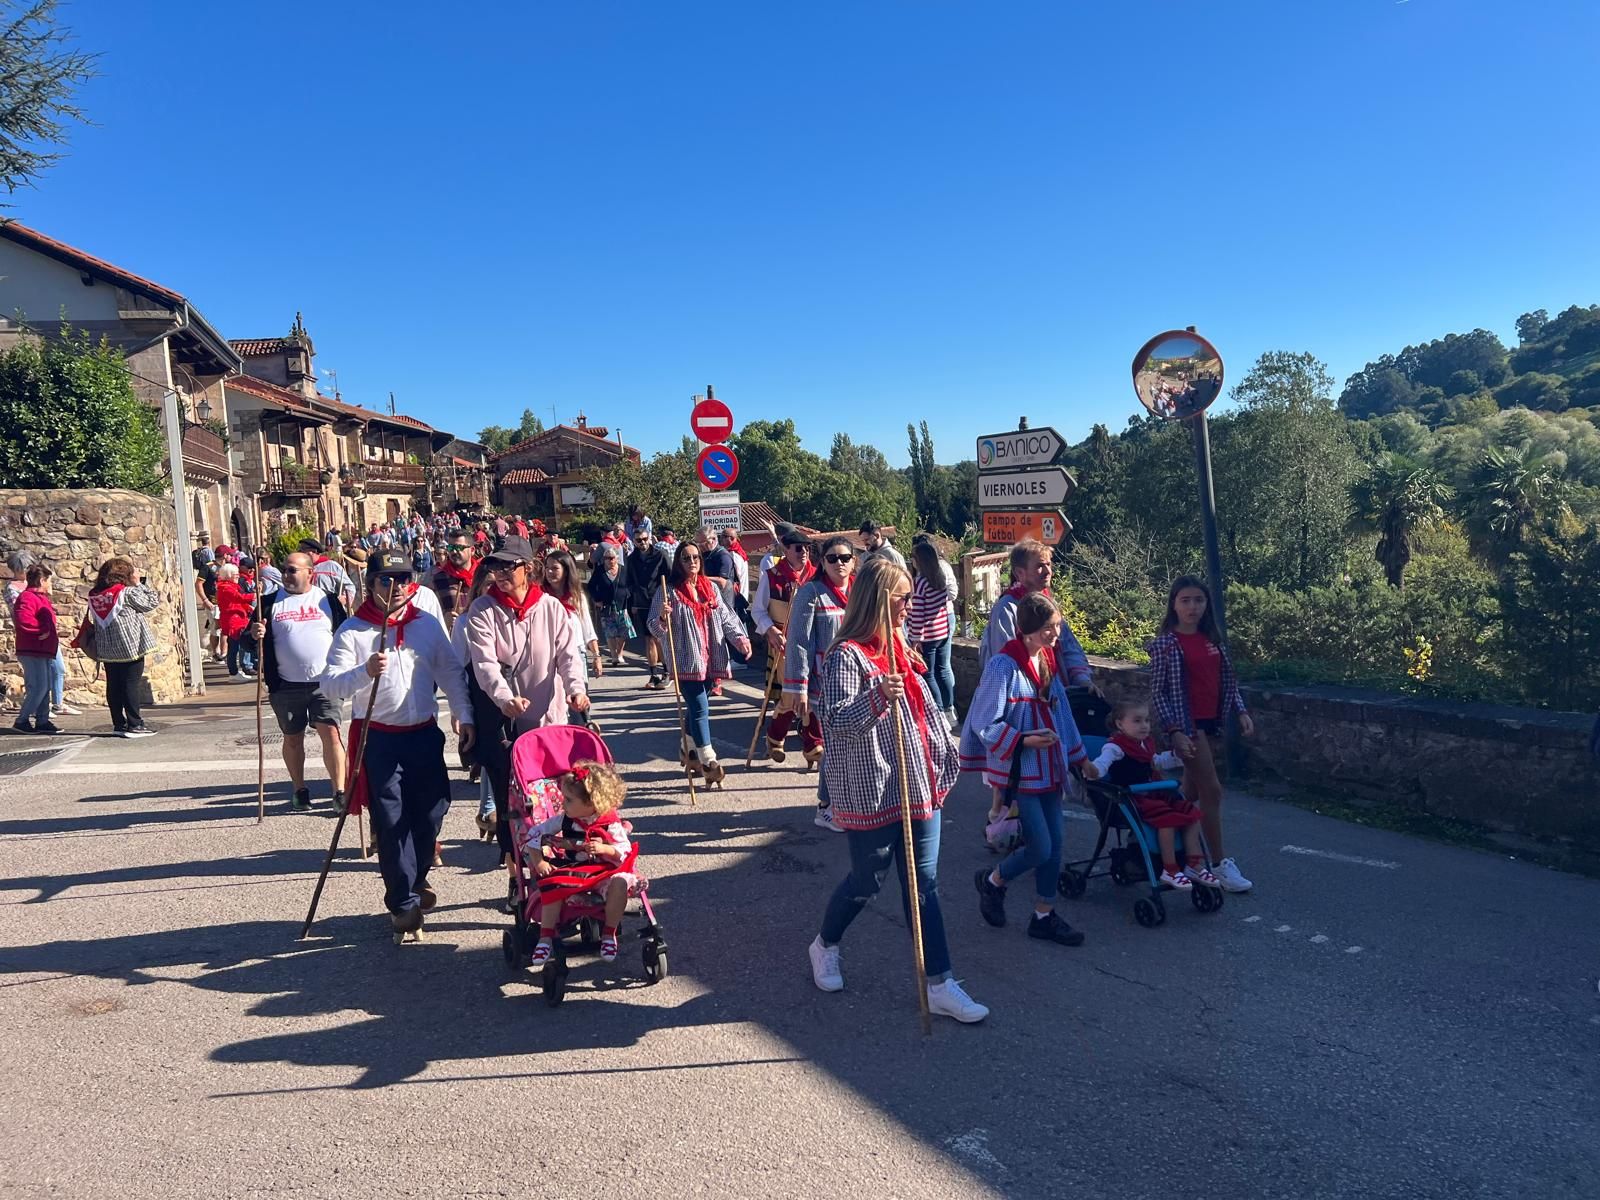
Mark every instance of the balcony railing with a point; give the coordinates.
(204, 450)
(394, 477)
(281, 483)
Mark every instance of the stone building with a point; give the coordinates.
(168, 344)
(545, 475)
(74, 532)
(306, 458)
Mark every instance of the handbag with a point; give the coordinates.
(84, 642)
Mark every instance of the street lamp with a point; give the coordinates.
(202, 410)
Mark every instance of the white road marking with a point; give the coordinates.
(1345, 858)
(1352, 949)
(1283, 929)
(974, 1146)
(1248, 920)
(1316, 941)
(185, 767)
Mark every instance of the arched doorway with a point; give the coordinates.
(241, 531)
(392, 510)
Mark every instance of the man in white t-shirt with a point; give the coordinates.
(296, 627)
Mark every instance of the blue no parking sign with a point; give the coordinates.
(718, 467)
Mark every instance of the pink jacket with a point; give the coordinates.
(36, 624)
(539, 652)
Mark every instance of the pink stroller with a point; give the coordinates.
(534, 808)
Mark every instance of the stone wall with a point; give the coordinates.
(1519, 771)
(74, 532)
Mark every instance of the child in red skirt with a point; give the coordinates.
(594, 854)
(1130, 757)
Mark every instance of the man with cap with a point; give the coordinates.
(295, 627)
(642, 573)
(526, 661)
(774, 594)
(402, 776)
(329, 574)
(879, 546)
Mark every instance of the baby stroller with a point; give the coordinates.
(534, 808)
(1130, 850)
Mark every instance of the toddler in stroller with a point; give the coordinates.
(575, 858)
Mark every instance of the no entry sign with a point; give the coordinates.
(1008, 528)
(711, 421)
(718, 467)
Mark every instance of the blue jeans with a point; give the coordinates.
(241, 655)
(696, 710)
(871, 853)
(1040, 852)
(58, 678)
(36, 682)
(940, 673)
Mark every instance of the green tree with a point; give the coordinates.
(1552, 612)
(665, 487)
(531, 427)
(1284, 466)
(1509, 491)
(39, 73)
(1397, 499)
(1530, 326)
(69, 418)
(497, 438)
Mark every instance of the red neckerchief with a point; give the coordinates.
(842, 597)
(1018, 653)
(701, 600)
(906, 666)
(1016, 591)
(462, 575)
(374, 615)
(103, 604)
(569, 599)
(321, 558)
(782, 577)
(1142, 752)
(738, 548)
(520, 610)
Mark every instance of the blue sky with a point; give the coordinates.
(855, 214)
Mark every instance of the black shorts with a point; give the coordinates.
(297, 705)
(641, 621)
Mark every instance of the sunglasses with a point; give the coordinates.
(838, 558)
(504, 568)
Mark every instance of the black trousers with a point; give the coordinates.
(124, 683)
(409, 793)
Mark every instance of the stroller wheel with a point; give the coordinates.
(589, 933)
(655, 962)
(1149, 913)
(1205, 899)
(508, 949)
(553, 980)
(1073, 883)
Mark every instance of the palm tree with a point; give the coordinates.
(1397, 499)
(1510, 489)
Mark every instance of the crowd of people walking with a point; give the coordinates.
(505, 621)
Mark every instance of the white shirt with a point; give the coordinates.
(426, 602)
(405, 690)
(302, 634)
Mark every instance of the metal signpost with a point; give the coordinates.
(1020, 489)
(711, 421)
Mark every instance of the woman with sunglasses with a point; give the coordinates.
(703, 631)
(813, 624)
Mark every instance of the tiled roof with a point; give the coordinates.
(757, 514)
(263, 390)
(356, 413)
(597, 432)
(257, 347)
(19, 232)
(462, 462)
(523, 476)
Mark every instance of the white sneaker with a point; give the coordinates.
(824, 820)
(948, 1000)
(825, 970)
(1228, 875)
(66, 710)
(1178, 881)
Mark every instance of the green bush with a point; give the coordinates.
(287, 542)
(69, 418)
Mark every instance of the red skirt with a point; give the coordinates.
(1166, 810)
(574, 879)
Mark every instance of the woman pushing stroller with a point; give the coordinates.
(1020, 733)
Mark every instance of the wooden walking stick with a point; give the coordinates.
(913, 896)
(353, 772)
(677, 690)
(261, 749)
(773, 666)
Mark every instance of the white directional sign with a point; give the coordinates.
(1019, 448)
(720, 510)
(1043, 488)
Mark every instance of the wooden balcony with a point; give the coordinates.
(280, 483)
(205, 455)
(395, 477)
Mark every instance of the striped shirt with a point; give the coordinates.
(928, 617)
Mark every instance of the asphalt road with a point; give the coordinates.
(1382, 1017)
